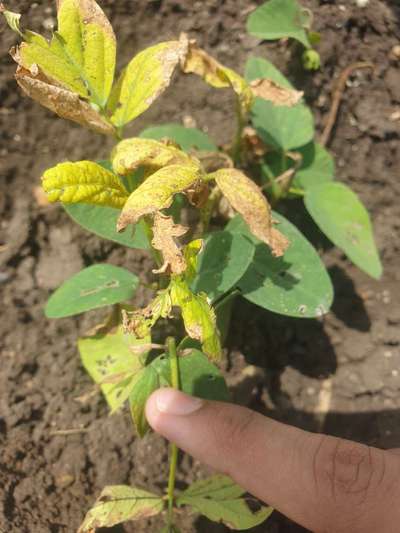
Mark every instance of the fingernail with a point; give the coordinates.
(173, 402)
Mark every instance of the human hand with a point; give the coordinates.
(324, 483)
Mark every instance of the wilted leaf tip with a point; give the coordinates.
(275, 93)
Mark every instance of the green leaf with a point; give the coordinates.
(258, 67)
(296, 284)
(102, 221)
(198, 376)
(223, 261)
(317, 166)
(95, 286)
(187, 138)
(109, 357)
(277, 19)
(81, 55)
(283, 127)
(119, 503)
(147, 382)
(143, 80)
(84, 182)
(338, 212)
(219, 499)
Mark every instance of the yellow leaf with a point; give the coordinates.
(197, 61)
(275, 93)
(140, 322)
(244, 196)
(190, 254)
(164, 233)
(109, 356)
(84, 182)
(198, 317)
(81, 54)
(130, 154)
(143, 80)
(157, 192)
(65, 103)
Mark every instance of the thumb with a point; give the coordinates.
(321, 482)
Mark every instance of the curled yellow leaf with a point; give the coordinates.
(165, 231)
(84, 182)
(157, 192)
(275, 93)
(130, 154)
(198, 317)
(63, 102)
(248, 200)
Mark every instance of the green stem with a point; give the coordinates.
(237, 144)
(174, 365)
(297, 192)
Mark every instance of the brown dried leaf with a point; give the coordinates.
(61, 101)
(197, 61)
(275, 93)
(253, 142)
(164, 233)
(246, 198)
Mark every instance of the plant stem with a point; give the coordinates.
(174, 365)
(237, 144)
(297, 192)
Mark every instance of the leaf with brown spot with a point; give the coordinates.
(157, 192)
(248, 200)
(164, 233)
(120, 503)
(140, 322)
(275, 93)
(130, 154)
(63, 102)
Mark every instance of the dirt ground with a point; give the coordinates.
(339, 374)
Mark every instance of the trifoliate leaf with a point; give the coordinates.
(143, 80)
(120, 503)
(81, 54)
(244, 196)
(84, 182)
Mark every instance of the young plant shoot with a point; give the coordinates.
(138, 197)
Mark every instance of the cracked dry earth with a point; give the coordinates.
(339, 374)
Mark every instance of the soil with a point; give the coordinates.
(339, 374)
